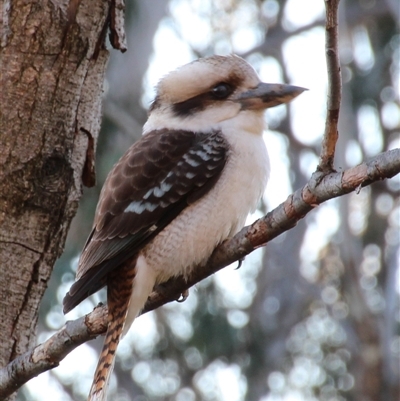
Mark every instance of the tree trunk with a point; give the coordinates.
(52, 70)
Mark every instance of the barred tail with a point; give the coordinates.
(119, 290)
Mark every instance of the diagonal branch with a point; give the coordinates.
(319, 189)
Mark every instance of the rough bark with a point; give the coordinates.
(52, 71)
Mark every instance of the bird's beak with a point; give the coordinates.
(265, 95)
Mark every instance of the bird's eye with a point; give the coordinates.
(221, 90)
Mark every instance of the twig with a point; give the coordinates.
(319, 189)
(117, 28)
(334, 87)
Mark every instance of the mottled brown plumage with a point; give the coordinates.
(183, 188)
(172, 161)
(160, 159)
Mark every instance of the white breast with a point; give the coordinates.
(190, 239)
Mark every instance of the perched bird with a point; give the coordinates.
(187, 185)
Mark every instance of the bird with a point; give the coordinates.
(187, 185)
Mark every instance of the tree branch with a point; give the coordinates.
(334, 87)
(319, 189)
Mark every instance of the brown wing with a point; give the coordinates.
(153, 182)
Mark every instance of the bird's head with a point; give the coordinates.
(207, 92)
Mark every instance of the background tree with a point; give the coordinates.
(317, 318)
(52, 74)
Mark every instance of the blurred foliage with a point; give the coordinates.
(317, 316)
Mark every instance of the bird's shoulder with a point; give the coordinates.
(158, 177)
(158, 170)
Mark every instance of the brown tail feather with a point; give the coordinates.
(119, 290)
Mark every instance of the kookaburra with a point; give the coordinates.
(186, 186)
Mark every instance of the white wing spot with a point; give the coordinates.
(204, 155)
(165, 187)
(190, 175)
(158, 191)
(139, 207)
(190, 161)
(148, 193)
(208, 148)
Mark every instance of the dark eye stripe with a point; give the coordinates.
(192, 105)
(198, 103)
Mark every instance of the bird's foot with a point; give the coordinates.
(240, 261)
(183, 297)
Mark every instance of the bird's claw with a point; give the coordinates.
(240, 261)
(183, 297)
